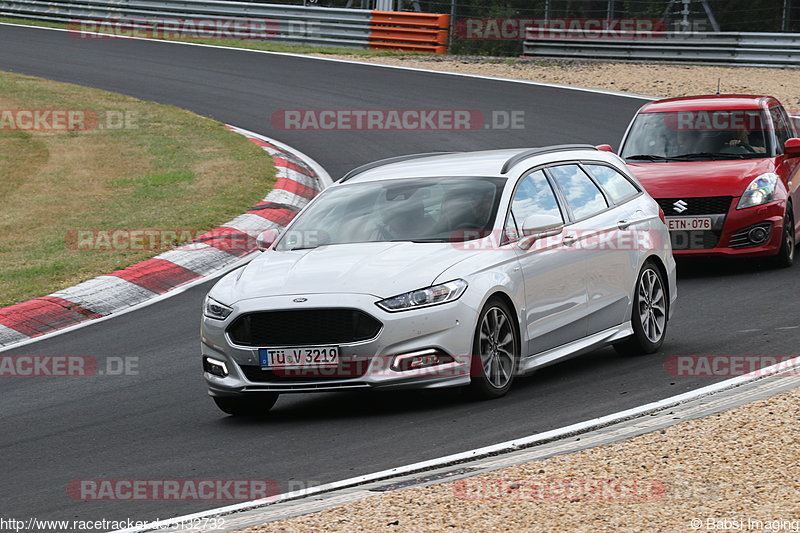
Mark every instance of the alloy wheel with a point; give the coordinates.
(497, 345)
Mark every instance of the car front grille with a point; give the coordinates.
(303, 327)
(681, 207)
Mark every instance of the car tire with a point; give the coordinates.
(785, 256)
(248, 405)
(650, 313)
(495, 351)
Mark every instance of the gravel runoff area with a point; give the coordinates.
(734, 471)
(646, 79)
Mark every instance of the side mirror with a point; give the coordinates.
(536, 227)
(792, 147)
(266, 239)
(605, 148)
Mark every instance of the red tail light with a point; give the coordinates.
(661, 215)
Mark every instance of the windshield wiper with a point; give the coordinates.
(714, 155)
(441, 239)
(647, 157)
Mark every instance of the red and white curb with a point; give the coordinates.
(299, 179)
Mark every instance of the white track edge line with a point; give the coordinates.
(199, 281)
(507, 446)
(353, 62)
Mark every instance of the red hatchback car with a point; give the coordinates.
(724, 169)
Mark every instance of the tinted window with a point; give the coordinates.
(616, 185)
(418, 209)
(583, 196)
(703, 135)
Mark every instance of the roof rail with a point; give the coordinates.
(513, 160)
(397, 159)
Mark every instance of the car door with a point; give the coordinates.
(555, 288)
(608, 258)
(622, 240)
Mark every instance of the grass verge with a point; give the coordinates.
(131, 165)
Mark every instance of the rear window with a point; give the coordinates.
(618, 187)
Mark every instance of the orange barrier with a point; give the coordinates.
(413, 32)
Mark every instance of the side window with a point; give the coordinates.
(583, 196)
(616, 185)
(782, 128)
(534, 196)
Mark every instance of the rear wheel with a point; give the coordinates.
(649, 316)
(247, 405)
(495, 351)
(785, 256)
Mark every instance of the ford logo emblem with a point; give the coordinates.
(300, 300)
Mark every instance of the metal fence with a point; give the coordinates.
(210, 19)
(724, 48)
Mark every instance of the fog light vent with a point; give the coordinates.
(215, 367)
(420, 359)
(758, 234)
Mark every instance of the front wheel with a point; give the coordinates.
(649, 316)
(785, 256)
(495, 351)
(253, 404)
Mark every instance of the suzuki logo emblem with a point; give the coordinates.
(300, 300)
(680, 206)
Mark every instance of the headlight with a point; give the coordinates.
(760, 191)
(438, 294)
(214, 309)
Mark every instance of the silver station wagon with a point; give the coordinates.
(444, 270)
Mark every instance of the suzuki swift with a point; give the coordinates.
(724, 168)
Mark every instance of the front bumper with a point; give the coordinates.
(446, 328)
(735, 222)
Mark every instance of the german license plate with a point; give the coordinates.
(688, 223)
(305, 357)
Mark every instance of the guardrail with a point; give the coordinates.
(350, 28)
(723, 48)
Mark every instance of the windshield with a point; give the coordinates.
(418, 210)
(698, 136)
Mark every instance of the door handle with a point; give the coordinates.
(625, 224)
(569, 240)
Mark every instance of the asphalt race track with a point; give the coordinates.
(159, 424)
